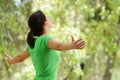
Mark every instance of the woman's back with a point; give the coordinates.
(45, 60)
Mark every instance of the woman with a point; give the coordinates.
(43, 49)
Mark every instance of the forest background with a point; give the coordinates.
(95, 21)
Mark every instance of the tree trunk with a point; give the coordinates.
(110, 65)
(96, 77)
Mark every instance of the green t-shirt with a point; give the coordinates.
(45, 60)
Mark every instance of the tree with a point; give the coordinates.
(96, 21)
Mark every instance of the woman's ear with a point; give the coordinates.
(45, 24)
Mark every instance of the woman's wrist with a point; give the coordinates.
(10, 61)
(71, 46)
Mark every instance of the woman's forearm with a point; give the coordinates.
(16, 59)
(64, 46)
(19, 58)
(78, 44)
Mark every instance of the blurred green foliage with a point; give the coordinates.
(95, 21)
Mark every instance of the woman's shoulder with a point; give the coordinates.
(43, 40)
(44, 37)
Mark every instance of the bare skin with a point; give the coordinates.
(53, 44)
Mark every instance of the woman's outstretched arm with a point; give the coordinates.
(19, 58)
(76, 44)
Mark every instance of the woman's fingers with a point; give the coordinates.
(81, 47)
(7, 56)
(77, 41)
(73, 39)
(79, 44)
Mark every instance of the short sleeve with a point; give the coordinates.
(46, 39)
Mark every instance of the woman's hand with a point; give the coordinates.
(19, 58)
(8, 59)
(56, 45)
(77, 44)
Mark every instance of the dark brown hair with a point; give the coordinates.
(35, 22)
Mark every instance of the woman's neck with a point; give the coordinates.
(45, 33)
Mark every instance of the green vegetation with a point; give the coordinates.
(95, 21)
